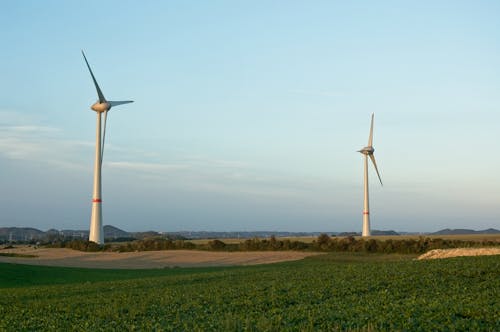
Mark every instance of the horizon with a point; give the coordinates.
(249, 116)
(402, 232)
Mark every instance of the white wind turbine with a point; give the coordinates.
(100, 106)
(368, 152)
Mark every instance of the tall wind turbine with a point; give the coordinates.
(100, 106)
(368, 152)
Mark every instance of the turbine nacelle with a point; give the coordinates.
(101, 107)
(367, 150)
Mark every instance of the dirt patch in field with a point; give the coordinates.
(448, 253)
(147, 259)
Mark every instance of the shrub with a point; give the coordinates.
(216, 245)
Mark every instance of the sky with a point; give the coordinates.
(248, 114)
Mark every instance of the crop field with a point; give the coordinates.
(336, 291)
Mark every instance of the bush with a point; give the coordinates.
(216, 245)
(323, 242)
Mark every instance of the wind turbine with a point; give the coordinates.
(368, 152)
(100, 106)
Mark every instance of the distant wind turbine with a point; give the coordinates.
(100, 106)
(368, 152)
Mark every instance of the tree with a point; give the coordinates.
(323, 241)
(216, 245)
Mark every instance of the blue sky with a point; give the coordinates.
(248, 115)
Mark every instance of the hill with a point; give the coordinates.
(115, 232)
(28, 234)
(20, 233)
(461, 231)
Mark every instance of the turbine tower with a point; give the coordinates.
(368, 152)
(100, 106)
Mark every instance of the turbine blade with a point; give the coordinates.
(120, 102)
(103, 135)
(372, 157)
(370, 138)
(99, 92)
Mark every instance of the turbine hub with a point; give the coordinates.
(367, 150)
(100, 107)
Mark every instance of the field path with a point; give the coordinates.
(458, 252)
(147, 259)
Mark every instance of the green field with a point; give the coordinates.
(324, 293)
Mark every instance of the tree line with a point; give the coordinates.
(323, 243)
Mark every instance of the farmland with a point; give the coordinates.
(335, 291)
(310, 239)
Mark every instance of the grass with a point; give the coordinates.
(20, 275)
(339, 291)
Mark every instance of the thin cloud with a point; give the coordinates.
(30, 129)
(47, 145)
(222, 177)
(22, 140)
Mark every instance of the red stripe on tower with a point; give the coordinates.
(366, 212)
(96, 200)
